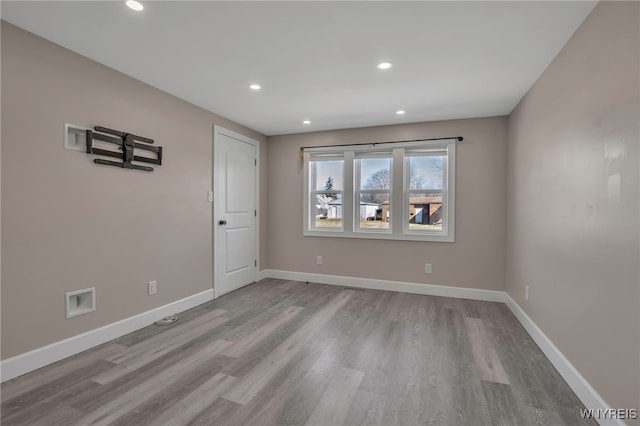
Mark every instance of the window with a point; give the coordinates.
(327, 174)
(425, 196)
(402, 191)
(373, 190)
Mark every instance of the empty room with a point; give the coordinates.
(320, 213)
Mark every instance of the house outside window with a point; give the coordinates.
(400, 191)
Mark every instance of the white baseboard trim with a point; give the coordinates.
(30, 361)
(37, 358)
(401, 286)
(263, 274)
(587, 394)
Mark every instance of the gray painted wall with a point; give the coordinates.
(573, 202)
(69, 224)
(475, 259)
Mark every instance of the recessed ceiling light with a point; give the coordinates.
(135, 5)
(400, 112)
(306, 122)
(254, 86)
(384, 65)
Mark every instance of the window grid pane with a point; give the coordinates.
(426, 211)
(426, 172)
(375, 173)
(374, 211)
(328, 175)
(328, 210)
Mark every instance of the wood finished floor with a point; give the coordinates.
(291, 353)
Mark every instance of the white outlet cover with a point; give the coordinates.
(319, 260)
(152, 288)
(427, 268)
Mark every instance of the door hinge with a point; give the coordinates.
(255, 161)
(255, 263)
(255, 213)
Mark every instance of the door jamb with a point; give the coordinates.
(219, 130)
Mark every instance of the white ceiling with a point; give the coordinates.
(317, 60)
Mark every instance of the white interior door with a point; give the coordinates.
(235, 207)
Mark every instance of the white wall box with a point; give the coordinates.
(80, 302)
(75, 137)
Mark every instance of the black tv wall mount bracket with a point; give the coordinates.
(127, 143)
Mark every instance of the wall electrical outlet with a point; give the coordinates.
(210, 196)
(427, 268)
(526, 292)
(152, 288)
(319, 260)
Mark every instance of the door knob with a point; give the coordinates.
(222, 222)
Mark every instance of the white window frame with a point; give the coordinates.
(358, 191)
(312, 193)
(446, 205)
(399, 192)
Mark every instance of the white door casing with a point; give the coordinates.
(235, 210)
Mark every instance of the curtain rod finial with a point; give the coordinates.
(460, 138)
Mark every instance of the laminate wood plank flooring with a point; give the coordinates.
(63, 369)
(484, 352)
(125, 402)
(252, 383)
(132, 360)
(335, 402)
(283, 352)
(246, 342)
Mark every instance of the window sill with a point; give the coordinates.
(382, 236)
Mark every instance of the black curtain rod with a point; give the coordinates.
(459, 138)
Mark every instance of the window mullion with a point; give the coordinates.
(396, 201)
(374, 191)
(308, 193)
(348, 199)
(450, 177)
